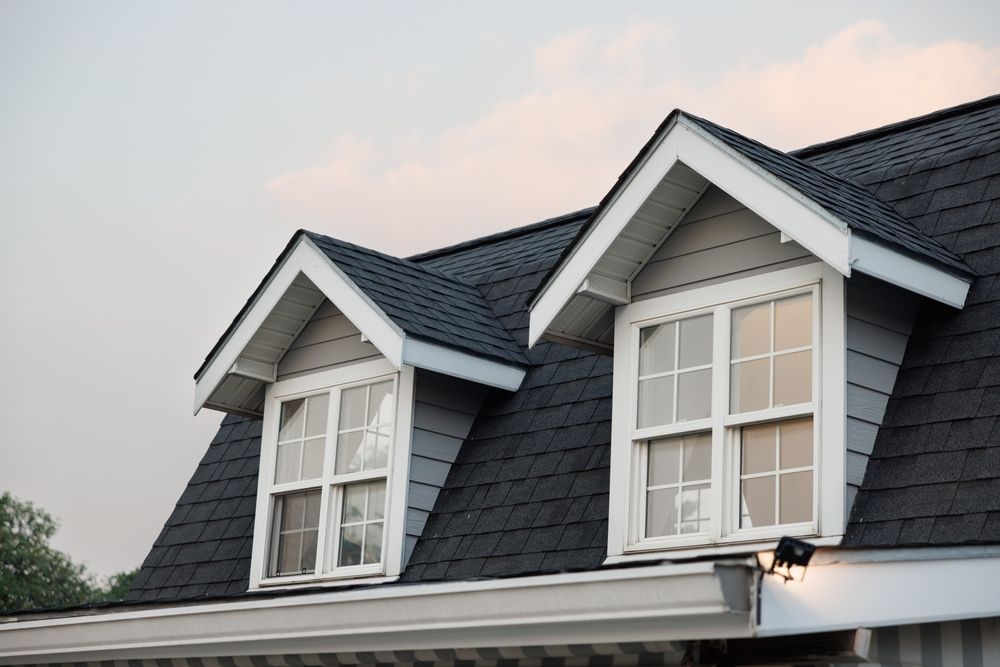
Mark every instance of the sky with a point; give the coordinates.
(156, 157)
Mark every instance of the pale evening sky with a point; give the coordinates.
(156, 157)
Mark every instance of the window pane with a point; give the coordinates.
(312, 509)
(656, 401)
(376, 501)
(758, 448)
(751, 330)
(354, 503)
(312, 458)
(349, 451)
(696, 342)
(694, 509)
(296, 518)
(380, 404)
(750, 385)
(793, 322)
(793, 378)
(352, 408)
(697, 457)
(292, 418)
(796, 497)
(373, 543)
(656, 349)
(758, 502)
(288, 554)
(664, 461)
(797, 443)
(316, 413)
(661, 512)
(376, 449)
(309, 538)
(350, 545)
(694, 395)
(286, 468)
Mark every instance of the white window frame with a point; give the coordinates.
(827, 409)
(333, 382)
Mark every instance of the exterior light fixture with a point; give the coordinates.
(790, 553)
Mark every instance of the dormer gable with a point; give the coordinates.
(411, 315)
(835, 220)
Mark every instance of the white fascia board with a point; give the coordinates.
(885, 263)
(309, 260)
(846, 594)
(795, 215)
(667, 602)
(575, 268)
(446, 360)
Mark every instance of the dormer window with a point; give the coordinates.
(328, 443)
(717, 411)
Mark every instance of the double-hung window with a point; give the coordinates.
(327, 457)
(722, 420)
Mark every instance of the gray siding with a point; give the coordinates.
(879, 321)
(328, 341)
(718, 240)
(443, 412)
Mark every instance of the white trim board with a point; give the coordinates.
(387, 337)
(797, 217)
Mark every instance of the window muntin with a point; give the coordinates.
(678, 479)
(332, 448)
(759, 356)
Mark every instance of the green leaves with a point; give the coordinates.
(33, 575)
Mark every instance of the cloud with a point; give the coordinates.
(593, 99)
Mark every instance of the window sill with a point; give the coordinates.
(638, 554)
(330, 580)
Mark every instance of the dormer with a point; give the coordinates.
(368, 372)
(757, 310)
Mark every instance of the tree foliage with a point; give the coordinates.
(33, 575)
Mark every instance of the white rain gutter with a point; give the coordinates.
(663, 602)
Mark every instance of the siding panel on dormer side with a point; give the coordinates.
(328, 341)
(443, 413)
(879, 321)
(719, 239)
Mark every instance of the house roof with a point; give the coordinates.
(424, 301)
(528, 491)
(861, 210)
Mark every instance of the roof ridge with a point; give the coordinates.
(499, 236)
(884, 130)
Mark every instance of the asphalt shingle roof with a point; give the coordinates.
(859, 208)
(423, 301)
(934, 473)
(529, 489)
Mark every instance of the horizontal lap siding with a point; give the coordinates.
(718, 240)
(879, 321)
(443, 413)
(328, 341)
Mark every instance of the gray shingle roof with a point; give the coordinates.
(528, 491)
(934, 474)
(861, 210)
(423, 301)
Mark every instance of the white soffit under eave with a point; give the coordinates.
(884, 263)
(245, 362)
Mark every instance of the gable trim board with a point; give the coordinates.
(303, 257)
(796, 216)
